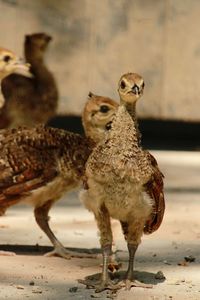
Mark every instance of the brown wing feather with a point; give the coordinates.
(154, 189)
(32, 157)
(24, 166)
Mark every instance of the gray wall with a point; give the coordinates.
(97, 41)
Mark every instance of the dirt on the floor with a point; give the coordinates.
(169, 259)
(173, 250)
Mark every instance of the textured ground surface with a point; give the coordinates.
(31, 275)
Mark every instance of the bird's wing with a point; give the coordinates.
(25, 163)
(154, 188)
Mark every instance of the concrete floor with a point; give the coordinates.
(31, 275)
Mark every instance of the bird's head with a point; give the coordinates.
(36, 44)
(130, 87)
(97, 116)
(11, 63)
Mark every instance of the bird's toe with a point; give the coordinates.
(134, 283)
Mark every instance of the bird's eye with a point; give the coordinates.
(122, 85)
(7, 58)
(104, 108)
(143, 84)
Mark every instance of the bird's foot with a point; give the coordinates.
(67, 254)
(128, 284)
(99, 285)
(58, 252)
(7, 253)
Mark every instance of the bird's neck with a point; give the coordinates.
(121, 142)
(40, 71)
(38, 67)
(36, 60)
(131, 108)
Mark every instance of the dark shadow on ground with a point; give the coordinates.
(141, 276)
(40, 250)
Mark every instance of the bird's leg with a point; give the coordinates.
(42, 218)
(103, 223)
(129, 280)
(133, 235)
(105, 281)
(131, 249)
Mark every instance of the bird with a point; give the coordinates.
(123, 182)
(30, 101)
(10, 63)
(38, 165)
(97, 116)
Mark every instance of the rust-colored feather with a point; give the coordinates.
(154, 188)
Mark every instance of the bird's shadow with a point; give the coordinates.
(141, 276)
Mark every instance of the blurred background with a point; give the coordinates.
(95, 42)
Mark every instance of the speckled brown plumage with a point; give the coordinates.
(30, 101)
(118, 175)
(39, 164)
(155, 185)
(39, 154)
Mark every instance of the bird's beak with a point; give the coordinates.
(23, 68)
(135, 90)
(48, 38)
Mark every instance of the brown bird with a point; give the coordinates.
(10, 63)
(124, 183)
(30, 101)
(155, 186)
(97, 116)
(40, 164)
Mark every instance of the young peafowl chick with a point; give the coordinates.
(38, 165)
(30, 101)
(10, 63)
(123, 182)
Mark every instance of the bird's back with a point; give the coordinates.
(37, 158)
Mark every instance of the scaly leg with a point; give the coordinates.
(103, 223)
(41, 217)
(133, 235)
